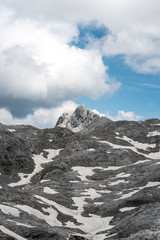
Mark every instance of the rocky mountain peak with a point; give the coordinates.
(81, 120)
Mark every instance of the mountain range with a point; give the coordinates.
(87, 178)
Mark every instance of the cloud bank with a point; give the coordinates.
(42, 117)
(134, 26)
(41, 69)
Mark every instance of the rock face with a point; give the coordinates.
(81, 120)
(99, 184)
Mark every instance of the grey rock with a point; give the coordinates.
(104, 182)
(81, 120)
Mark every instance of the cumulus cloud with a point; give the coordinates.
(39, 67)
(47, 117)
(5, 116)
(122, 115)
(134, 26)
(42, 117)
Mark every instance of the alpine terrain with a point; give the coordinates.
(87, 178)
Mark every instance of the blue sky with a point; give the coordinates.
(56, 55)
(139, 92)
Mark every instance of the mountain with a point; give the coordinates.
(94, 184)
(81, 120)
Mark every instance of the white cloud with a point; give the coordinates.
(41, 118)
(122, 115)
(134, 26)
(39, 65)
(144, 65)
(5, 116)
(44, 117)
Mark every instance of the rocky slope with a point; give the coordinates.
(99, 184)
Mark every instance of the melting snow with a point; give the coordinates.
(9, 210)
(149, 184)
(11, 233)
(141, 161)
(124, 175)
(38, 160)
(155, 133)
(49, 190)
(127, 195)
(94, 137)
(79, 202)
(117, 182)
(85, 171)
(126, 209)
(21, 224)
(51, 218)
(108, 236)
(89, 171)
(90, 150)
(91, 193)
(101, 185)
(45, 180)
(153, 155)
(137, 144)
(91, 225)
(104, 191)
(11, 130)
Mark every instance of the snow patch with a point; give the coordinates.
(38, 161)
(137, 144)
(95, 137)
(91, 150)
(9, 210)
(152, 134)
(11, 233)
(44, 180)
(91, 192)
(112, 235)
(153, 155)
(49, 190)
(51, 218)
(126, 209)
(20, 224)
(90, 225)
(11, 130)
(117, 182)
(122, 175)
(89, 171)
(104, 191)
(85, 171)
(127, 195)
(141, 161)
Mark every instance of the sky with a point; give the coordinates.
(58, 54)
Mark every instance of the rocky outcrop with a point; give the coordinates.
(81, 120)
(99, 184)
